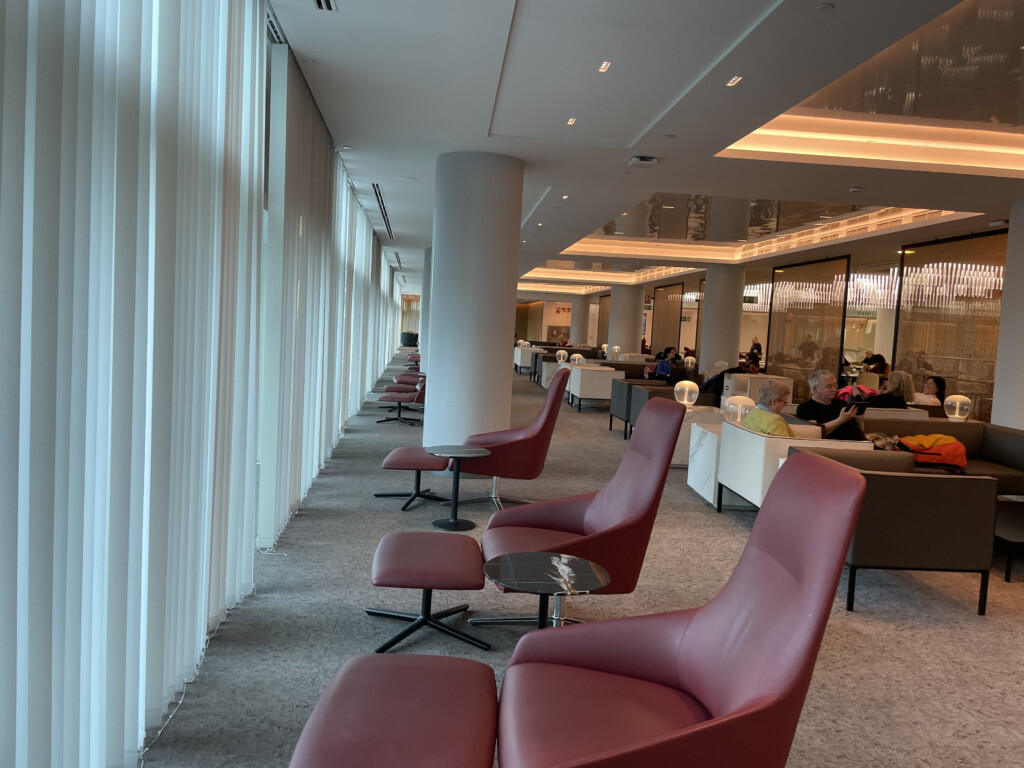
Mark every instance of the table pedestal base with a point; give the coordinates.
(447, 524)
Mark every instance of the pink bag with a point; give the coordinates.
(847, 392)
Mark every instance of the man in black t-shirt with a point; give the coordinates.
(838, 421)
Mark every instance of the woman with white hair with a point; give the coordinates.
(897, 392)
(766, 418)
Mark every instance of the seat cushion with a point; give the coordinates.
(397, 397)
(551, 714)
(427, 560)
(401, 710)
(1010, 480)
(512, 538)
(414, 457)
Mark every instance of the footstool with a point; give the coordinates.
(413, 458)
(427, 560)
(398, 711)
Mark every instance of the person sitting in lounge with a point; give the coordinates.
(766, 418)
(932, 393)
(897, 392)
(837, 420)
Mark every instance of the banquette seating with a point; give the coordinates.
(917, 521)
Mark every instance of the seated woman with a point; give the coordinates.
(663, 369)
(932, 393)
(772, 397)
(897, 392)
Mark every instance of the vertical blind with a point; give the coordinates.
(141, 316)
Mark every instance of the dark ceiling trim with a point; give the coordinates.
(383, 210)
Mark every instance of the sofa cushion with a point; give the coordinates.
(1011, 480)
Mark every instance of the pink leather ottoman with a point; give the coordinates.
(427, 560)
(398, 711)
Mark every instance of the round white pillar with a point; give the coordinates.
(475, 265)
(580, 315)
(722, 308)
(424, 344)
(1007, 406)
(625, 311)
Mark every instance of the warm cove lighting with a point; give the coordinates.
(883, 143)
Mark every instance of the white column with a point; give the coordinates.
(425, 309)
(1007, 408)
(624, 313)
(478, 201)
(578, 324)
(720, 325)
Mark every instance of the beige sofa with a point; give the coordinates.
(748, 461)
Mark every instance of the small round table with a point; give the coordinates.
(546, 574)
(456, 453)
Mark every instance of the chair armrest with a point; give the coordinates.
(555, 514)
(610, 646)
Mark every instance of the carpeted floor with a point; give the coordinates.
(913, 677)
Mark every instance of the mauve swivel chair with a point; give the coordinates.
(721, 685)
(518, 453)
(610, 527)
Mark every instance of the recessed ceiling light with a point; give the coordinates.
(618, 233)
(345, 146)
(571, 121)
(668, 206)
(524, 241)
(670, 135)
(565, 197)
(625, 213)
(604, 66)
(540, 224)
(824, 7)
(734, 80)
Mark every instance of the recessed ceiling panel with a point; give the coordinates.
(657, 50)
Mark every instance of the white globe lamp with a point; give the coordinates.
(686, 392)
(577, 359)
(561, 355)
(957, 407)
(736, 408)
(689, 361)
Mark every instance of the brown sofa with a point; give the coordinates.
(992, 450)
(918, 521)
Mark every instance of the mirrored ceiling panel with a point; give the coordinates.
(672, 216)
(964, 66)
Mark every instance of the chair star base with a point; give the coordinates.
(425, 619)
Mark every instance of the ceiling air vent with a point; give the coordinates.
(274, 32)
(326, 5)
(398, 259)
(642, 160)
(383, 210)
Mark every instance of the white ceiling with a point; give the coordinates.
(402, 81)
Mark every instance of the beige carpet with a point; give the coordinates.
(913, 677)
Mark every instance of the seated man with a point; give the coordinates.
(837, 420)
(766, 418)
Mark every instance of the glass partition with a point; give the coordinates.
(948, 323)
(805, 326)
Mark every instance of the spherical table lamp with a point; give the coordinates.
(958, 407)
(561, 355)
(736, 408)
(690, 361)
(604, 347)
(686, 392)
(577, 359)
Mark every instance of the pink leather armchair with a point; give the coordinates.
(610, 527)
(517, 453)
(720, 685)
